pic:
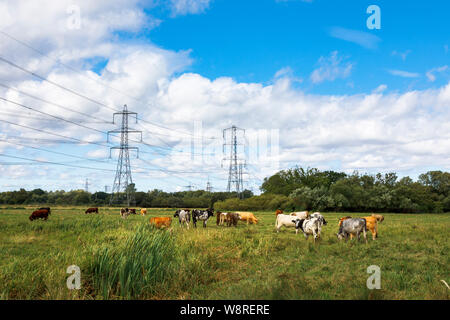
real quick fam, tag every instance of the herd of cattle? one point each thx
(309, 223)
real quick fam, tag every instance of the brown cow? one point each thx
(132, 211)
(39, 214)
(232, 219)
(160, 222)
(91, 210)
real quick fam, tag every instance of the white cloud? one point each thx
(331, 68)
(402, 55)
(183, 7)
(404, 74)
(431, 73)
(364, 39)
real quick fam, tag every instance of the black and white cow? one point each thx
(201, 215)
(184, 217)
(309, 227)
(354, 226)
(322, 221)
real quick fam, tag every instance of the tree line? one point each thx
(294, 189)
(311, 189)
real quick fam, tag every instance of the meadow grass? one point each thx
(128, 259)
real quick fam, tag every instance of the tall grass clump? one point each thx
(136, 269)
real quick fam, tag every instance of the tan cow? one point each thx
(247, 216)
(143, 211)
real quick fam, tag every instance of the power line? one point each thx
(55, 163)
(88, 98)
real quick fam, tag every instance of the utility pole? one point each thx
(122, 193)
(234, 175)
(86, 185)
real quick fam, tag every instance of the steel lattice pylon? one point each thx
(123, 188)
(235, 168)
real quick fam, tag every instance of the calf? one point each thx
(184, 217)
(309, 227)
(352, 226)
(39, 214)
(160, 222)
(202, 215)
(91, 210)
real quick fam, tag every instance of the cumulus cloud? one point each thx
(331, 68)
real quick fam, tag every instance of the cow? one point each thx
(91, 210)
(309, 227)
(160, 222)
(184, 217)
(39, 214)
(247, 216)
(322, 221)
(221, 217)
(371, 224)
(279, 211)
(351, 226)
(202, 215)
(232, 219)
(300, 214)
(124, 213)
(379, 217)
(143, 211)
(132, 211)
(284, 220)
(46, 208)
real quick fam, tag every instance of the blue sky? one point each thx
(251, 40)
(338, 95)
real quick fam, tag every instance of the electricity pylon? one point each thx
(234, 170)
(123, 188)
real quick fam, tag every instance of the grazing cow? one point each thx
(309, 227)
(91, 210)
(300, 214)
(39, 214)
(202, 215)
(132, 211)
(143, 211)
(124, 213)
(352, 226)
(47, 208)
(379, 217)
(160, 222)
(284, 220)
(184, 217)
(247, 216)
(232, 219)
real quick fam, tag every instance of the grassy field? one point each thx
(128, 259)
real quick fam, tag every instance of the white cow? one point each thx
(284, 220)
(321, 219)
